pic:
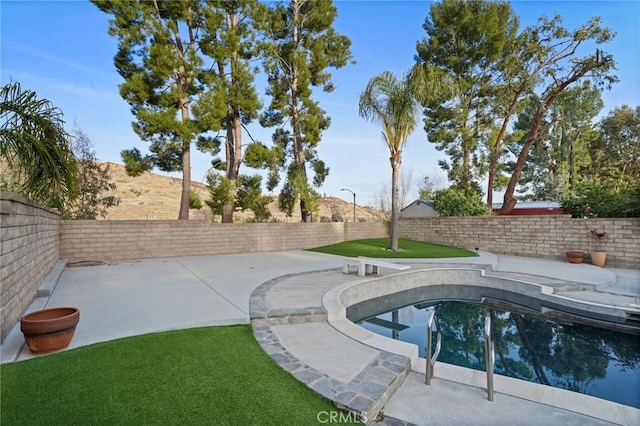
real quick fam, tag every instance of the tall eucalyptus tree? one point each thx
(494, 71)
(554, 171)
(557, 51)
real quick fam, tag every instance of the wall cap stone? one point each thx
(11, 196)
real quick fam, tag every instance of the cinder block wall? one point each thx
(99, 241)
(28, 250)
(33, 239)
(532, 236)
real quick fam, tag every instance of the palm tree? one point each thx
(35, 147)
(391, 102)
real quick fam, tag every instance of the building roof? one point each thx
(531, 205)
(429, 203)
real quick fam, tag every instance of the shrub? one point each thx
(194, 200)
(336, 217)
(451, 202)
(602, 200)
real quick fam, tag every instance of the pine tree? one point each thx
(232, 102)
(158, 57)
(465, 44)
(615, 154)
(300, 46)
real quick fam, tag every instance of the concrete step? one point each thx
(51, 280)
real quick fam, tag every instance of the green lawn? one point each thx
(213, 375)
(377, 248)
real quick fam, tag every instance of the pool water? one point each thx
(581, 358)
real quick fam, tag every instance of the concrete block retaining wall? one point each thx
(99, 241)
(29, 249)
(532, 236)
(33, 239)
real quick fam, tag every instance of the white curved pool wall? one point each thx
(455, 279)
(337, 300)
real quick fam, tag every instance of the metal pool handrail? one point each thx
(489, 355)
(431, 359)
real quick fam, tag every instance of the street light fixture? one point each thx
(354, 202)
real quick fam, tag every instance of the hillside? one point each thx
(152, 197)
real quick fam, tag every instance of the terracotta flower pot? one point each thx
(575, 256)
(50, 329)
(599, 258)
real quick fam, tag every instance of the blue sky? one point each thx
(61, 50)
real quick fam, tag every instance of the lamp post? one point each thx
(354, 202)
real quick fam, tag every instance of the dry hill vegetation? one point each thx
(153, 197)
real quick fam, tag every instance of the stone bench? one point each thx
(368, 265)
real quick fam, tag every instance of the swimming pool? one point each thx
(568, 352)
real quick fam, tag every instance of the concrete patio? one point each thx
(127, 298)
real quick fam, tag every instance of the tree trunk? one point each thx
(227, 212)
(495, 153)
(305, 214)
(233, 148)
(227, 208)
(298, 148)
(509, 202)
(491, 178)
(233, 144)
(184, 80)
(535, 132)
(395, 211)
(186, 167)
(186, 184)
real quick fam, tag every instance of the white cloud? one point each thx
(50, 86)
(47, 56)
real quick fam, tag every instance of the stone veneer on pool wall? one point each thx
(546, 237)
(29, 235)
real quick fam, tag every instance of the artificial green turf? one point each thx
(212, 376)
(377, 247)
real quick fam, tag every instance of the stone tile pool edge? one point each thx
(365, 395)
